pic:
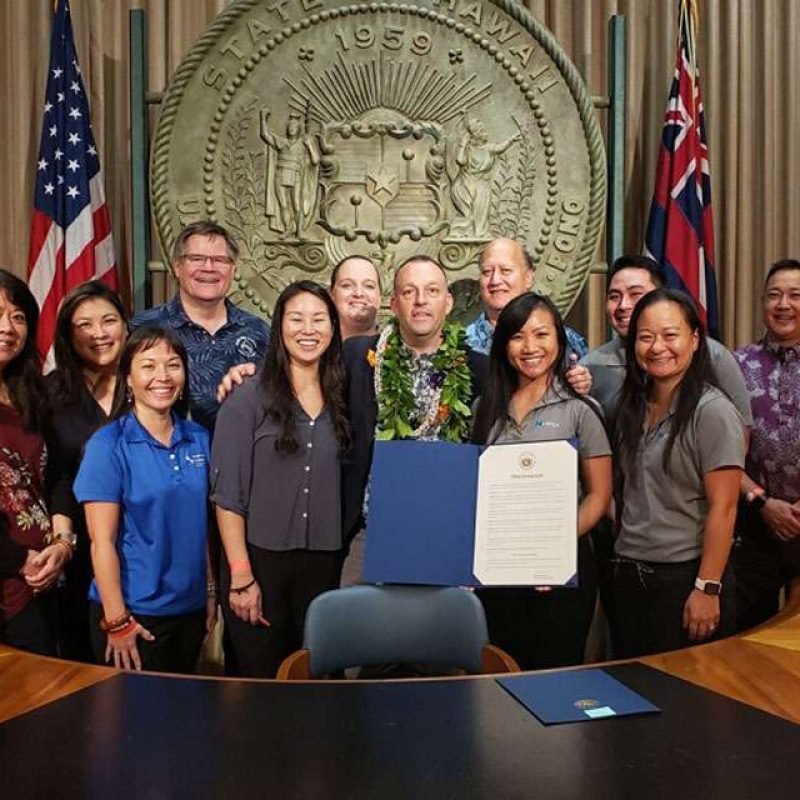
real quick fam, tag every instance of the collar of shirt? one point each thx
(480, 333)
(178, 318)
(612, 353)
(780, 352)
(554, 394)
(133, 431)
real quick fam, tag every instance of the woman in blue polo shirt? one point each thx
(144, 485)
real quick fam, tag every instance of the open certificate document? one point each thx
(527, 514)
(447, 514)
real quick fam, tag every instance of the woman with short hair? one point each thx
(143, 482)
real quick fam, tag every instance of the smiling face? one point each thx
(665, 343)
(504, 275)
(13, 330)
(306, 329)
(97, 334)
(533, 350)
(357, 296)
(205, 270)
(156, 378)
(421, 303)
(782, 307)
(626, 288)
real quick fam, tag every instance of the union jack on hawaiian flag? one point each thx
(680, 231)
(71, 230)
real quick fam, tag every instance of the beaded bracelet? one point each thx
(129, 627)
(109, 625)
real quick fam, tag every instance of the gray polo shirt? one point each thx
(663, 515)
(607, 365)
(558, 415)
(289, 501)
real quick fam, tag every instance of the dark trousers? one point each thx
(34, 628)
(176, 647)
(649, 601)
(542, 630)
(763, 565)
(289, 581)
(603, 544)
(74, 640)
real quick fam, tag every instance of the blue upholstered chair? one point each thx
(369, 626)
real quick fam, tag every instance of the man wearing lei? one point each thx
(416, 380)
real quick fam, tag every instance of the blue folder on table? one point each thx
(575, 696)
(421, 514)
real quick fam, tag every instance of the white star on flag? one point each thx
(73, 166)
(72, 191)
(74, 113)
(42, 164)
(49, 188)
(73, 138)
(57, 72)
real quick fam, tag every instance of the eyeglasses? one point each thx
(198, 260)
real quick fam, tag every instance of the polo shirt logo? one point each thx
(198, 460)
(247, 347)
(546, 423)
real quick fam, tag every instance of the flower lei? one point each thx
(451, 382)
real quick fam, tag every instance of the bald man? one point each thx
(506, 272)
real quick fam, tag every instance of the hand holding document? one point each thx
(462, 515)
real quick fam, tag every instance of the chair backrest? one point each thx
(373, 625)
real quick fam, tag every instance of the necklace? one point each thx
(449, 380)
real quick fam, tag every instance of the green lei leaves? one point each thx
(395, 391)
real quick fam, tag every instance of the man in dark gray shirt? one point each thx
(629, 280)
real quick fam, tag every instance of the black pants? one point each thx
(763, 565)
(34, 628)
(649, 601)
(603, 544)
(289, 581)
(74, 641)
(542, 630)
(176, 647)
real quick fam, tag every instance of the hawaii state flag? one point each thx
(71, 230)
(680, 231)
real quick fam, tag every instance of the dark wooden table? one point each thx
(79, 731)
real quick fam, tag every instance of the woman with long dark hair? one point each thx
(275, 481)
(90, 333)
(27, 614)
(144, 484)
(679, 444)
(527, 399)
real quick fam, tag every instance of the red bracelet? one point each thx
(240, 566)
(120, 632)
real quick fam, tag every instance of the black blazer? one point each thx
(363, 410)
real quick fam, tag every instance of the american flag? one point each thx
(680, 231)
(71, 230)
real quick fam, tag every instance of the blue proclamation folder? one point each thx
(421, 514)
(575, 696)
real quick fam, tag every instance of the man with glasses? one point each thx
(767, 552)
(217, 334)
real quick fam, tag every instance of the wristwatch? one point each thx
(708, 587)
(68, 537)
(756, 499)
